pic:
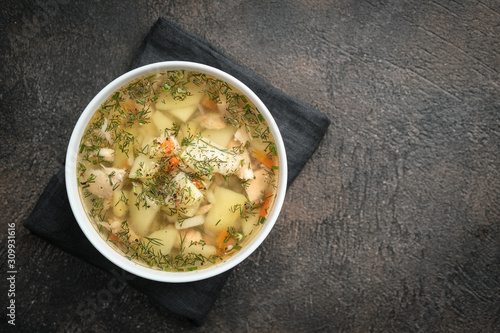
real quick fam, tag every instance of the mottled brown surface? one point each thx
(393, 226)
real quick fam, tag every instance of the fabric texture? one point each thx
(302, 128)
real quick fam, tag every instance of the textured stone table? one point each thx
(393, 226)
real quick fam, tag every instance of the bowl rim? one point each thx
(86, 225)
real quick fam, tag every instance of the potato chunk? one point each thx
(183, 113)
(225, 211)
(142, 213)
(144, 167)
(162, 121)
(120, 207)
(220, 136)
(184, 109)
(163, 240)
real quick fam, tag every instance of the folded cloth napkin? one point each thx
(301, 126)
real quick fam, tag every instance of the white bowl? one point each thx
(86, 225)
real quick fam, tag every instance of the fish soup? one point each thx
(177, 170)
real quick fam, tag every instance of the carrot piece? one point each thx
(265, 205)
(167, 146)
(114, 238)
(172, 163)
(209, 104)
(261, 156)
(223, 241)
(130, 106)
(221, 237)
(198, 184)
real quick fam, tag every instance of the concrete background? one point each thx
(393, 226)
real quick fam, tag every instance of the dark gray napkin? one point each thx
(301, 126)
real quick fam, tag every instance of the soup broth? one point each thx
(177, 170)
